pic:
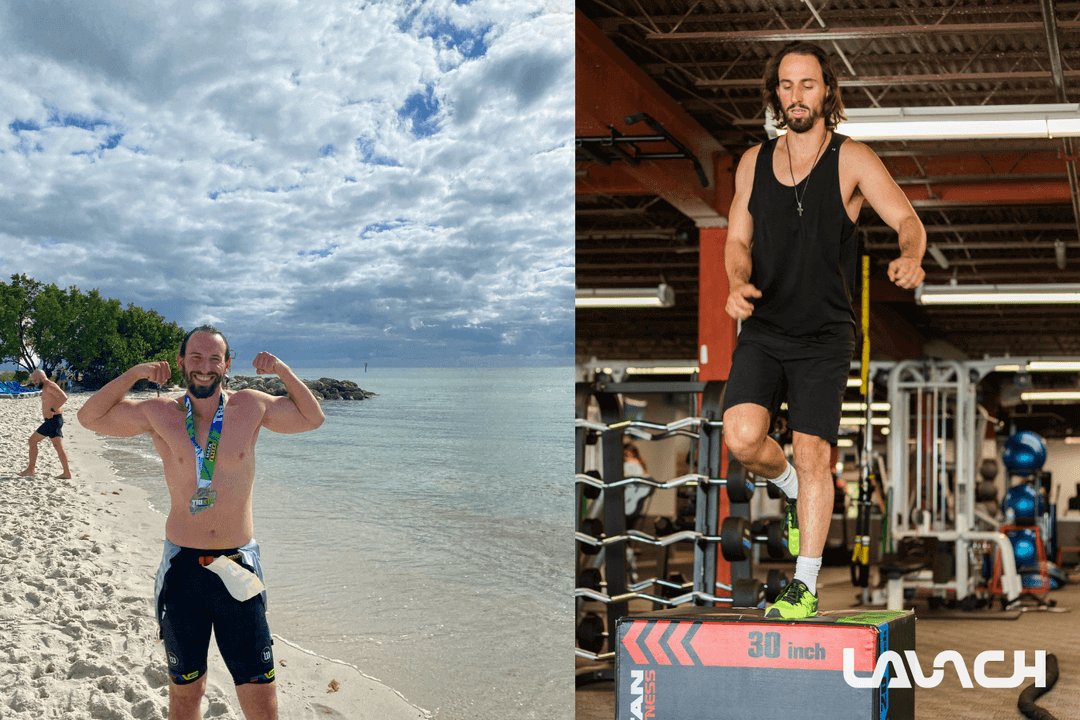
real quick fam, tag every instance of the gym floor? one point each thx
(967, 632)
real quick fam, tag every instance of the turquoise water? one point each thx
(424, 535)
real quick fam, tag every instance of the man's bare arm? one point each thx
(56, 396)
(108, 413)
(890, 203)
(740, 235)
(299, 411)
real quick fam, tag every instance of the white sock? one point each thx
(788, 482)
(806, 570)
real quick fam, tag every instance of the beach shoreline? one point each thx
(78, 636)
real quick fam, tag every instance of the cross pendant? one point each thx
(800, 209)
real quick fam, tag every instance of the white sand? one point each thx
(78, 637)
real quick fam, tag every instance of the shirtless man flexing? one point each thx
(52, 399)
(210, 573)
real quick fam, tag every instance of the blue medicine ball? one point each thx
(1025, 452)
(1023, 542)
(1024, 501)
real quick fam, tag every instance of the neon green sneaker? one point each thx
(795, 603)
(791, 515)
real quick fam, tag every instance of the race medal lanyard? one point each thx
(204, 497)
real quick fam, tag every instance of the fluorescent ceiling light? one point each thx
(854, 382)
(955, 123)
(861, 407)
(997, 294)
(862, 421)
(660, 296)
(663, 370)
(1043, 366)
(1036, 395)
(845, 442)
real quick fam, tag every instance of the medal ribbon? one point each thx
(204, 461)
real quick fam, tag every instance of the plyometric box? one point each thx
(700, 663)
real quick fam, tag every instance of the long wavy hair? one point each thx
(832, 108)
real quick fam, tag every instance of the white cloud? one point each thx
(384, 179)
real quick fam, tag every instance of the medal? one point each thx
(204, 497)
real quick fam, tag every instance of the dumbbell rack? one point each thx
(708, 486)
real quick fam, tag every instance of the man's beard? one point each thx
(201, 392)
(803, 124)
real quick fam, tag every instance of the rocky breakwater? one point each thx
(323, 388)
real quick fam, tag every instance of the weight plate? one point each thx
(735, 540)
(747, 593)
(590, 633)
(778, 540)
(775, 584)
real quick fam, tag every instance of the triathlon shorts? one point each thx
(192, 600)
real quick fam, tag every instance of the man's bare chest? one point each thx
(235, 443)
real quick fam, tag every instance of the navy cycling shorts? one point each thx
(192, 602)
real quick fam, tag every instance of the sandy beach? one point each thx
(78, 637)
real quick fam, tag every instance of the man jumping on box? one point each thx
(791, 259)
(210, 573)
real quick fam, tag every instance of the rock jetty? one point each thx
(322, 389)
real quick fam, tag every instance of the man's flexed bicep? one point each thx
(297, 412)
(108, 413)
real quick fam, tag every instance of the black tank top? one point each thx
(805, 267)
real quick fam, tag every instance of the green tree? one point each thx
(94, 338)
(53, 315)
(16, 310)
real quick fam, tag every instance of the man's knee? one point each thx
(812, 456)
(188, 692)
(745, 431)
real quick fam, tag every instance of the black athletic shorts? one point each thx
(768, 368)
(52, 428)
(192, 601)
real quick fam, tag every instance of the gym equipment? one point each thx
(1024, 548)
(698, 662)
(746, 592)
(1028, 696)
(1023, 504)
(935, 432)
(597, 533)
(737, 536)
(590, 632)
(1025, 453)
(590, 578)
(594, 528)
(860, 554)
(589, 490)
(775, 585)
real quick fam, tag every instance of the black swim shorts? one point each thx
(809, 374)
(192, 601)
(52, 428)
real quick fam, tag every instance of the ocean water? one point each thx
(423, 535)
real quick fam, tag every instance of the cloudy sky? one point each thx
(335, 182)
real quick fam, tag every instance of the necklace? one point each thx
(787, 146)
